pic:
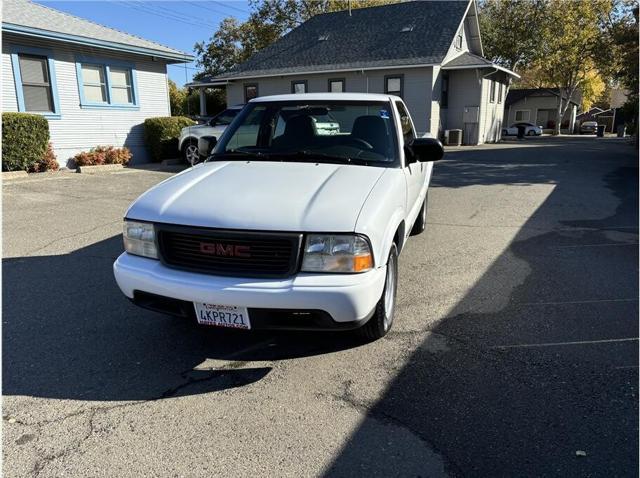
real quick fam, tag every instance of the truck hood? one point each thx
(261, 195)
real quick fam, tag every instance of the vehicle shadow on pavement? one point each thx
(539, 360)
(541, 162)
(69, 333)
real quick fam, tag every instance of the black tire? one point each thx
(531, 133)
(421, 222)
(382, 320)
(190, 153)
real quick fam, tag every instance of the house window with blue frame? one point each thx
(35, 80)
(121, 88)
(106, 84)
(94, 83)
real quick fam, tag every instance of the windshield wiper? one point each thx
(239, 154)
(305, 153)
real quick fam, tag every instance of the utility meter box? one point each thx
(471, 114)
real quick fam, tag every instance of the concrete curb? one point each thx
(102, 168)
(9, 175)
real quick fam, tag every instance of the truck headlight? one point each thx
(140, 239)
(337, 253)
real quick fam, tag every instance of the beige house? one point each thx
(429, 53)
(538, 106)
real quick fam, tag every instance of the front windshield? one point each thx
(336, 131)
(224, 118)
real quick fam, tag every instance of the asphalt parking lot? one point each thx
(514, 351)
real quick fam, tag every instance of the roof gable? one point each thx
(25, 17)
(516, 95)
(470, 29)
(407, 33)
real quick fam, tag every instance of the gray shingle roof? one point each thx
(370, 37)
(467, 59)
(518, 94)
(23, 13)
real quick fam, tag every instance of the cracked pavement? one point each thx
(514, 347)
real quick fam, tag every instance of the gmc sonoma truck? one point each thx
(289, 223)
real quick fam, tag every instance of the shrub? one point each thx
(161, 135)
(103, 155)
(24, 140)
(48, 161)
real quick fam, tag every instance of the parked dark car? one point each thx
(589, 127)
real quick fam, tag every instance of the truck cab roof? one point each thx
(327, 97)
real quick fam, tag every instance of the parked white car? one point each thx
(529, 129)
(285, 226)
(188, 140)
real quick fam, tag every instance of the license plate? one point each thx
(222, 315)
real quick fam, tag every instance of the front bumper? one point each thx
(348, 299)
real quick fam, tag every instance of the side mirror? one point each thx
(425, 149)
(206, 145)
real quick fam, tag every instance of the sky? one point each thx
(176, 24)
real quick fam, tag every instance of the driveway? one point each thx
(514, 352)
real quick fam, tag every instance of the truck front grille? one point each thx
(229, 253)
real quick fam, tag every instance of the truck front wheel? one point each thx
(382, 320)
(421, 222)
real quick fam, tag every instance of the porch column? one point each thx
(203, 101)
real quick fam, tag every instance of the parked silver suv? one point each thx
(188, 141)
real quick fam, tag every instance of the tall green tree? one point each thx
(624, 40)
(177, 99)
(566, 45)
(573, 47)
(511, 31)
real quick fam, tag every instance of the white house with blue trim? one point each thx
(94, 84)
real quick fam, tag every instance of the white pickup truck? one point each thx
(285, 226)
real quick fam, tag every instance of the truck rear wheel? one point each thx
(382, 320)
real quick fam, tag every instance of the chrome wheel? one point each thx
(191, 154)
(390, 292)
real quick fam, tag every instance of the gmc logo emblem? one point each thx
(224, 250)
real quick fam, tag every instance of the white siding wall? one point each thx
(417, 89)
(9, 101)
(464, 90)
(491, 114)
(437, 125)
(80, 129)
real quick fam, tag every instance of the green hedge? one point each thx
(161, 135)
(24, 140)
